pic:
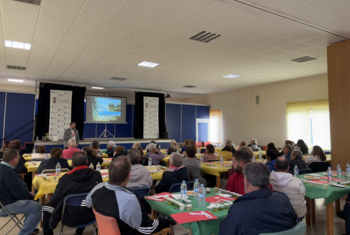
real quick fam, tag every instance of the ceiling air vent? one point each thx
(205, 36)
(304, 59)
(34, 2)
(16, 67)
(189, 86)
(117, 79)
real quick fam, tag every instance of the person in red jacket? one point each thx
(235, 182)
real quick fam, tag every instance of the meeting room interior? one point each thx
(179, 117)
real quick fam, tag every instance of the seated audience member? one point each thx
(209, 154)
(139, 175)
(95, 145)
(193, 165)
(297, 160)
(235, 183)
(68, 153)
(284, 182)
(191, 142)
(186, 142)
(173, 147)
(5, 146)
(229, 147)
(40, 152)
(287, 150)
(153, 142)
(20, 167)
(303, 147)
(154, 153)
(81, 179)
(242, 144)
(175, 174)
(119, 151)
(273, 147)
(131, 216)
(14, 193)
(51, 163)
(259, 210)
(254, 144)
(92, 156)
(110, 148)
(271, 156)
(138, 146)
(291, 143)
(245, 149)
(317, 155)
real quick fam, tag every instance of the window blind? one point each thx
(320, 123)
(215, 126)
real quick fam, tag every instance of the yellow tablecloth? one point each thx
(216, 169)
(257, 153)
(28, 157)
(155, 175)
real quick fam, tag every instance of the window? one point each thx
(309, 120)
(215, 126)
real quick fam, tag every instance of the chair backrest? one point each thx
(141, 191)
(175, 188)
(73, 200)
(206, 143)
(49, 171)
(226, 155)
(106, 225)
(319, 166)
(199, 144)
(298, 229)
(264, 148)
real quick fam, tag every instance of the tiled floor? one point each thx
(316, 229)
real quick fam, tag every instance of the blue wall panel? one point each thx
(19, 111)
(173, 121)
(188, 122)
(203, 132)
(89, 130)
(2, 111)
(36, 106)
(203, 112)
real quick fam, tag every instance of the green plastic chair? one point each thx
(298, 229)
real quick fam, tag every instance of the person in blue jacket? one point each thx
(271, 156)
(259, 210)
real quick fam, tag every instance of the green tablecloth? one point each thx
(331, 193)
(201, 227)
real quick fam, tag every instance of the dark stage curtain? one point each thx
(43, 117)
(139, 113)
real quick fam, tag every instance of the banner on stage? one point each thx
(60, 112)
(150, 117)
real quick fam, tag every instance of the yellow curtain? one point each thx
(215, 126)
(320, 123)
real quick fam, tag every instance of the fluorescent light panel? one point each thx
(18, 45)
(14, 80)
(97, 87)
(232, 76)
(148, 64)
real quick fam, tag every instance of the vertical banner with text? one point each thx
(60, 112)
(150, 117)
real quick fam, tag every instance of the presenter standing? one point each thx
(71, 133)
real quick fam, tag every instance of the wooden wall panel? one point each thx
(338, 56)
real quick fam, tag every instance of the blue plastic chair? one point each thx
(175, 188)
(18, 222)
(141, 191)
(298, 229)
(75, 200)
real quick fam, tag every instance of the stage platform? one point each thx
(125, 142)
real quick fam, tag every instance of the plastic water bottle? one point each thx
(34, 151)
(253, 159)
(91, 166)
(201, 196)
(338, 171)
(201, 159)
(184, 190)
(296, 171)
(221, 160)
(47, 156)
(260, 155)
(347, 170)
(58, 169)
(160, 147)
(166, 153)
(196, 189)
(203, 190)
(98, 167)
(37, 138)
(150, 162)
(329, 174)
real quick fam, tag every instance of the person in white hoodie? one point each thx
(286, 183)
(139, 175)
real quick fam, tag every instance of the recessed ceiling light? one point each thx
(97, 87)
(14, 80)
(18, 45)
(148, 64)
(232, 76)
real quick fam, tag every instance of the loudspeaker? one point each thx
(165, 135)
(257, 99)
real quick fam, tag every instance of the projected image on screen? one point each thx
(105, 109)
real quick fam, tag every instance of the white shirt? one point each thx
(73, 133)
(310, 159)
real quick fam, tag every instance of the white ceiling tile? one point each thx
(83, 33)
(183, 31)
(39, 59)
(108, 37)
(98, 12)
(18, 8)
(130, 19)
(58, 16)
(191, 44)
(159, 26)
(78, 41)
(264, 38)
(178, 51)
(110, 3)
(49, 25)
(48, 38)
(193, 5)
(145, 7)
(298, 46)
(220, 10)
(122, 47)
(275, 5)
(119, 29)
(346, 20)
(135, 42)
(200, 22)
(143, 51)
(246, 17)
(73, 6)
(101, 43)
(174, 15)
(16, 56)
(339, 11)
(282, 43)
(338, 27)
(146, 35)
(90, 23)
(169, 39)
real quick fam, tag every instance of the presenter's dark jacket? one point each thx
(51, 164)
(68, 135)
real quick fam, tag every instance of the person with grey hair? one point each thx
(139, 175)
(81, 179)
(287, 150)
(254, 144)
(68, 153)
(113, 199)
(297, 160)
(110, 148)
(154, 153)
(268, 211)
(175, 174)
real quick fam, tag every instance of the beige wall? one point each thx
(243, 119)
